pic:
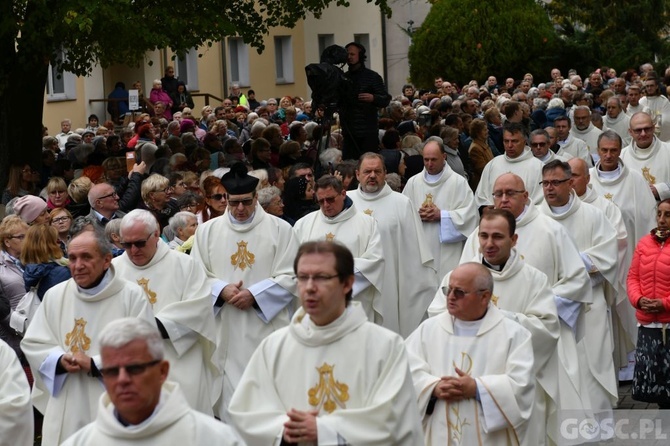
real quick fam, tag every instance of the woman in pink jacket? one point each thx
(159, 95)
(649, 292)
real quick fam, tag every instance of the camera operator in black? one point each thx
(358, 118)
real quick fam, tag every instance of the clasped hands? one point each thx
(456, 388)
(301, 426)
(76, 362)
(430, 212)
(651, 305)
(233, 295)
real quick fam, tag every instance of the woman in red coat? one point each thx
(649, 292)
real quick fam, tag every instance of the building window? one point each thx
(325, 40)
(239, 61)
(186, 69)
(61, 85)
(284, 59)
(364, 39)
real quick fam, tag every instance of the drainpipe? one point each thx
(224, 70)
(386, 80)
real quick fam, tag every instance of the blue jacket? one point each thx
(44, 274)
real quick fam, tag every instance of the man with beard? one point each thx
(409, 270)
(585, 130)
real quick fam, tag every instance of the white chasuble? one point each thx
(524, 293)
(178, 291)
(499, 357)
(358, 232)
(596, 240)
(352, 372)
(16, 409)
(525, 165)
(577, 148)
(172, 423)
(619, 125)
(659, 109)
(409, 272)
(450, 193)
(653, 163)
(629, 191)
(69, 321)
(260, 254)
(590, 137)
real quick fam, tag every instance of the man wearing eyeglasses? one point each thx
(62, 343)
(247, 255)
(596, 240)
(648, 155)
(176, 287)
(584, 129)
(104, 203)
(568, 142)
(332, 378)
(339, 220)
(523, 294)
(140, 404)
(539, 145)
(472, 367)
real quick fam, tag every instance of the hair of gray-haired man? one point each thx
(122, 332)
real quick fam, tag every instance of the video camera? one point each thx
(331, 88)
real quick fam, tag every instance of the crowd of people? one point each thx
(478, 262)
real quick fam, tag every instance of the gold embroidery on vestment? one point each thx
(242, 258)
(328, 393)
(330, 237)
(368, 211)
(648, 176)
(428, 200)
(494, 299)
(151, 295)
(609, 197)
(76, 340)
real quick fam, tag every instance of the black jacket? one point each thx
(360, 118)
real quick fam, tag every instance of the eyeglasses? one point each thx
(508, 193)
(646, 130)
(538, 144)
(113, 194)
(131, 369)
(245, 202)
(166, 190)
(189, 206)
(20, 236)
(329, 200)
(317, 278)
(60, 219)
(458, 293)
(139, 244)
(554, 183)
(218, 197)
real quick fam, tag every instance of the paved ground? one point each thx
(626, 400)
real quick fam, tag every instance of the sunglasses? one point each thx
(236, 203)
(138, 244)
(131, 369)
(329, 200)
(216, 197)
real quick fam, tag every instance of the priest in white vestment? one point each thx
(523, 294)
(178, 291)
(596, 240)
(248, 255)
(16, 409)
(518, 159)
(339, 220)
(568, 142)
(658, 107)
(409, 271)
(540, 143)
(330, 377)
(546, 245)
(140, 407)
(616, 120)
(61, 343)
(648, 155)
(584, 129)
(445, 205)
(627, 189)
(633, 95)
(472, 367)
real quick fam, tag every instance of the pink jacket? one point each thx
(649, 276)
